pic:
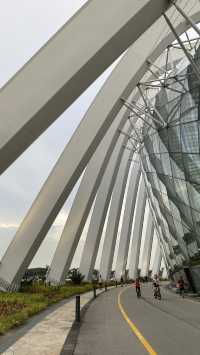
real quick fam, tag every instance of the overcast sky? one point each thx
(24, 27)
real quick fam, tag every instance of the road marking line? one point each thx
(133, 327)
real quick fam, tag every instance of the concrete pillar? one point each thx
(61, 70)
(146, 255)
(114, 217)
(99, 213)
(61, 181)
(165, 273)
(157, 261)
(127, 221)
(137, 230)
(157, 216)
(39, 112)
(80, 209)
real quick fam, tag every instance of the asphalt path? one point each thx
(117, 323)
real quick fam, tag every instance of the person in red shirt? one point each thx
(181, 286)
(137, 287)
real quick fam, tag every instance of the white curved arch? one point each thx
(98, 118)
(114, 215)
(65, 66)
(146, 255)
(137, 230)
(84, 198)
(127, 222)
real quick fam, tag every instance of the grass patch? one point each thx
(16, 308)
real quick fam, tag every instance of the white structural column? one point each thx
(114, 216)
(165, 273)
(157, 261)
(61, 180)
(99, 213)
(155, 212)
(146, 255)
(127, 221)
(83, 201)
(62, 70)
(18, 116)
(137, 230)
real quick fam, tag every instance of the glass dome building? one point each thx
(170, 158)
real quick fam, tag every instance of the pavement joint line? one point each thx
(185, 298)
(170, 314)
(133, 327)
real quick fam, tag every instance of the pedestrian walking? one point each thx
(122, 281)
(181, 286)
(100, 281)
(138, 287)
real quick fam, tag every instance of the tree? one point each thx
(76, 276)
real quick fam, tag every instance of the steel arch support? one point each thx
(157, 260)
(99, 213)
(114, 216)
(62, 70)
(146, 255)
(127, 221)
(83, 201)
(137, 230)
(61, 181)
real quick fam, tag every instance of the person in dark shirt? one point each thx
(137, 287)
(181, 286)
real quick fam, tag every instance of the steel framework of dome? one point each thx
(144, 123)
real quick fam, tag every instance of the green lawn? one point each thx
(16, 308)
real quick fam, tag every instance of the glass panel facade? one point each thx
(171, 163)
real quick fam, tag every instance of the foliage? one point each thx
(16, 308)
(76, 277)
(96, 274)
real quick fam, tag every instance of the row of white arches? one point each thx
(56, 76)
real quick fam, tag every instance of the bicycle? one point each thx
(181, 292)
(157, 293)
(138, 292)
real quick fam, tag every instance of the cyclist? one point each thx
(122, 281)
(181, 286)
(156, 287)
(137, 287)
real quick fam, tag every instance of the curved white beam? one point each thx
(114, 216)
(157, 260)
(127, 221)
(155, 209)
(61, 181)
(66, 65)
(137, 230)
(99, 213)
(146, 255)
(165, 273)
(83, 201)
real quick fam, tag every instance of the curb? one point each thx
(71, 339)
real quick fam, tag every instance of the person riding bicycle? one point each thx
(137, 287)
(181, 286)
(122, 281)
(155, 281)
(156, 286)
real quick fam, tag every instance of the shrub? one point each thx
(76, 277)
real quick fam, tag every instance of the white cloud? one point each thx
(9, 226)
(24, 28)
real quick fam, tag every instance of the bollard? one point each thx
(105, 286)
(78, 309)
(94, 291)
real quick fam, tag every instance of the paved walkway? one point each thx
(147, 326)
(116, 323)
(48, 336)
